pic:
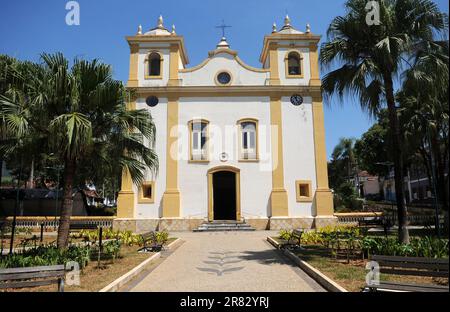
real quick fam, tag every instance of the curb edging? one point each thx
(315, 274)
(122, 280)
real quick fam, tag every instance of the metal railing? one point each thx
(36, 222)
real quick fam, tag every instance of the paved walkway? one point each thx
(225, 261)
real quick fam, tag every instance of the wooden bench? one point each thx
(33, 277)
(409, 266)
(149, 242)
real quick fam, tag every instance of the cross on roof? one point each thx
(223, 26)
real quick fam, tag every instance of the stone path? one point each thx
(224, 261)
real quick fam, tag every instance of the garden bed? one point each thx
(352, 275)
(120, 254)
(325, 250)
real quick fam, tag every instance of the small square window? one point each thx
(147, 192)
(303, 191)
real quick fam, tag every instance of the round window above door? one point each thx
(223, 78)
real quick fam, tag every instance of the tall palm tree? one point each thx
(424, 102)
(371, 57)
(81, 112)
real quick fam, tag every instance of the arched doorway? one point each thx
(224, 201)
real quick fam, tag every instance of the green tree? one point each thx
(81, 113)
(372, 149)
(371, 57)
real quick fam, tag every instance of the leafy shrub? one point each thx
(429, 247)
(46, 255)
(126, 237)
(161, 237)
(285, 234)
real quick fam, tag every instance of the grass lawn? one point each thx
(351, 275)
(94, 278)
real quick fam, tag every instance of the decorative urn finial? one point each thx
(173, 30)
(287, 21)
(274, 28)
(160, 22)
(139, 32)
(308, 28)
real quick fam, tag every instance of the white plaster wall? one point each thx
(144, 50)
(305, 66)
(256, 178)
(159, 115)
(205, 76)
(298, 151)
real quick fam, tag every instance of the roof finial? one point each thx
(173, 29)
(308, 28)
(274, 27)
(160, 22)
(287, 21)
(139, 32)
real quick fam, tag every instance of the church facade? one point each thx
(234, 142)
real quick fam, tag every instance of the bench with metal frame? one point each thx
(33, 277)
(295, 239)
(150, 243)
(408, 266)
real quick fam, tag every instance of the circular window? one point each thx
(152, 101)
(224, 78)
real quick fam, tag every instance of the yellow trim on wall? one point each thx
(273, 64)
(301, 198)
(145, 200)
(239, 123)
(237, 173)
(174, 66)
(231, 91)
(314, 64)
(171, 197)
(133, 80)
(191, 158)
(323, 200)
(147, 75)
(286, 65)
(279, 196)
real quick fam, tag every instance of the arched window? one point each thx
(248, 139)
(154, 64)
(294, 64)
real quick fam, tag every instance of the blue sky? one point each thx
(30, 27)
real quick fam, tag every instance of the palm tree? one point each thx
(424, 102)
(371, 57)
(81, 112)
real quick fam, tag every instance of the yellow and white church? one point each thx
(235, 143)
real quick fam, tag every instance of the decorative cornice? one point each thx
(212, 54)
(273, 91)
(275, 37)
(172, 39)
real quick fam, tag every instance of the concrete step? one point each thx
(224, 227)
